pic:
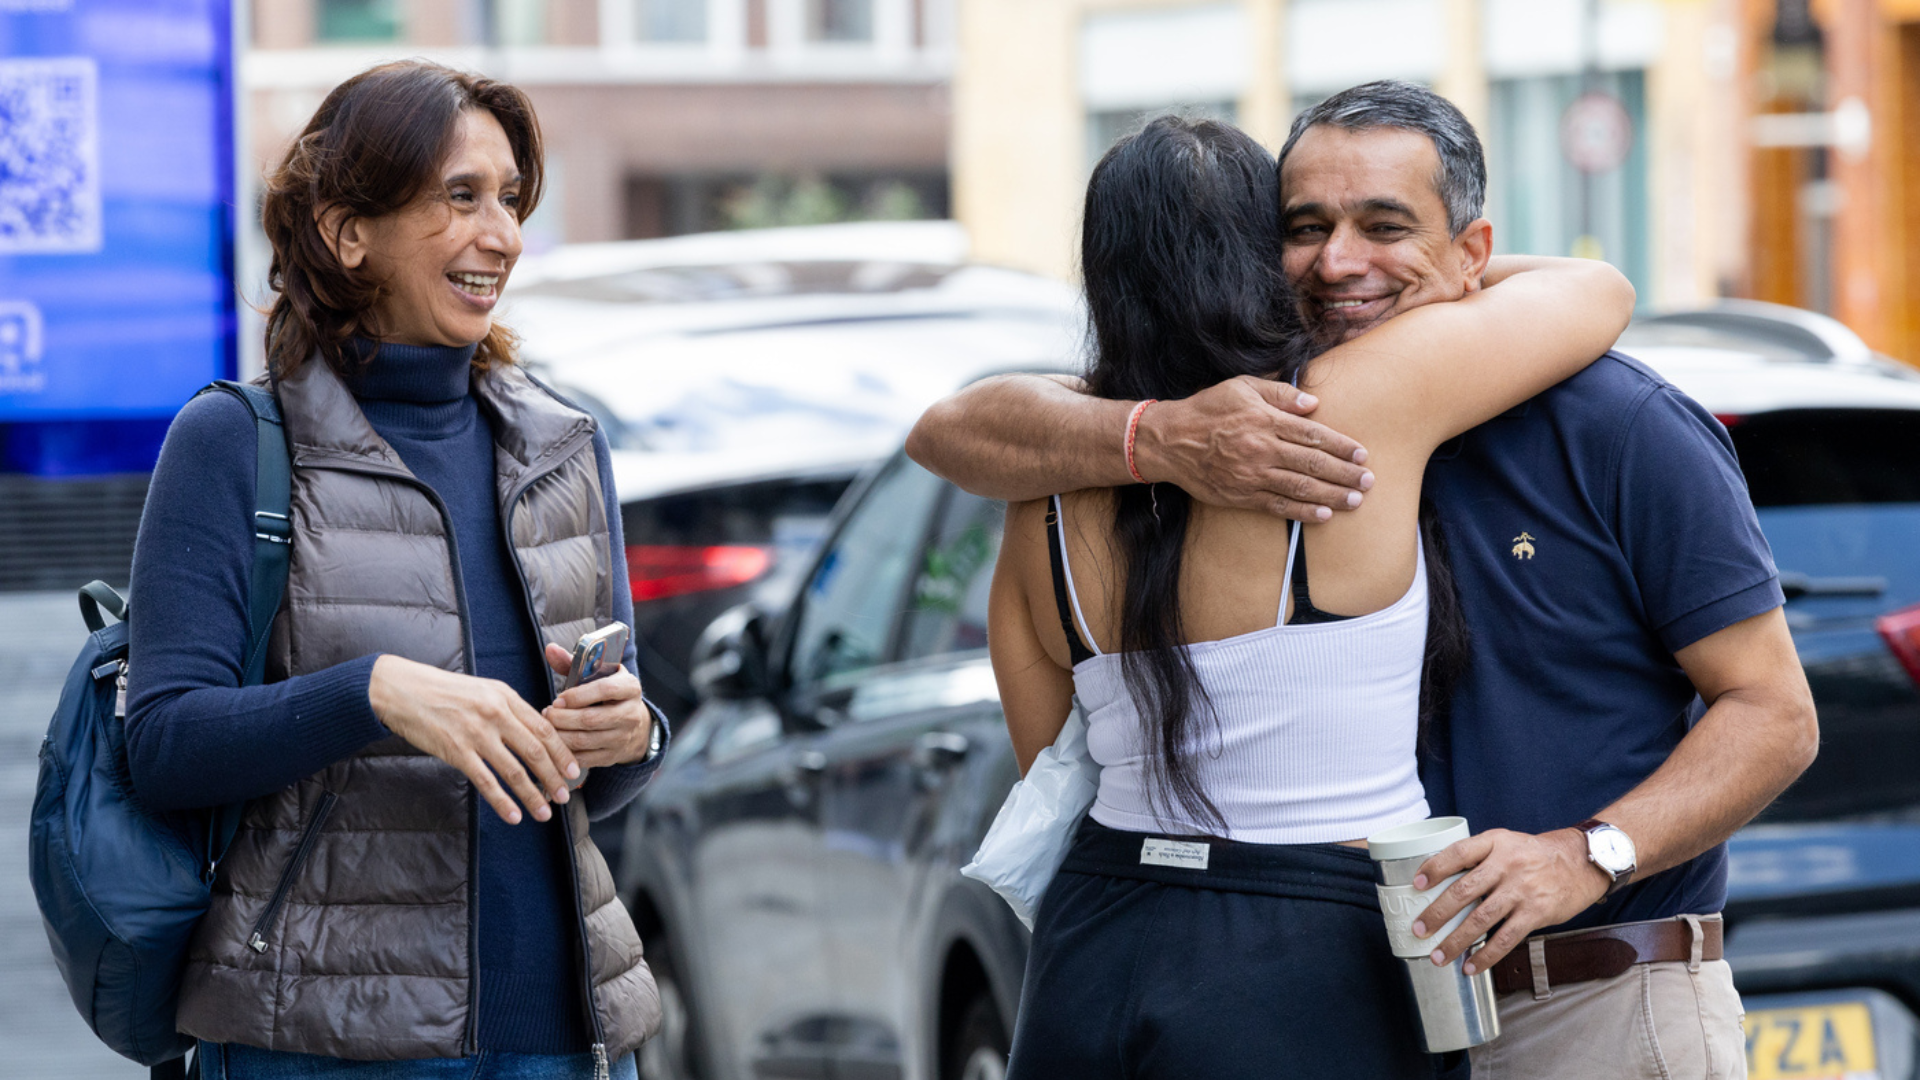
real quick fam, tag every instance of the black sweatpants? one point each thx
(1270, 963)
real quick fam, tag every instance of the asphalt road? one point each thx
(41, 1034)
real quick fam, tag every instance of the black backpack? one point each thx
(120, 886)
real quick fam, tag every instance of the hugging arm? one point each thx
(1242, 443)
(1036, 687)
(1430, 374)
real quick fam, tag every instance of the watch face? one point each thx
(1611, 849)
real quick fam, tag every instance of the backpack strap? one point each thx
(272, 544)
(97, 596)
(272, 530)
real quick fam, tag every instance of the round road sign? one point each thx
(1596, 134)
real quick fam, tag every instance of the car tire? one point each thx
(980, 1044)
(670, 1054)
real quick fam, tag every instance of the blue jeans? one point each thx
(232, 1061)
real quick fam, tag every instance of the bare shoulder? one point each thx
(1086, 516)
(1024, 518)
(1023, 546)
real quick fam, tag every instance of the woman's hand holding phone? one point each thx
(479, 726)
(603, 722)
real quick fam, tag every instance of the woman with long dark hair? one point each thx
(412, 891)
(1216, 916)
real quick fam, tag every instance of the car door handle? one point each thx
(1796, 585)
(937, 750)
(800, 774)
(802, 765)
(802, 768)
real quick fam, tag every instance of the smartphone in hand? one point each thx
(596, 654)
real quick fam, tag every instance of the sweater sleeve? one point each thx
(607, 790)
(195, 736)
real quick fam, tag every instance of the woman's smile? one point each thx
(481, 291)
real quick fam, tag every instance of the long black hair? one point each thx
(1181, 257)
(1180, 252)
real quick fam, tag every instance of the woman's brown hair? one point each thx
(375, 145)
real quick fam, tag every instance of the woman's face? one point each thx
(445, 257)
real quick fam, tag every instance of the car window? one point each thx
(1826, 457)
(947, 609)
(847, 612)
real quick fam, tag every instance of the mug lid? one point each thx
(1416, 838)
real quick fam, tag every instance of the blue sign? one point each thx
(116, 215)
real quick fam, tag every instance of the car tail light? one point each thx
(1728, 419)
(1902, 631)
(662, 570)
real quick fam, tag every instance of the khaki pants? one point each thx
(1663, 1021)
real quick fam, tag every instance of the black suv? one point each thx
(794, 866)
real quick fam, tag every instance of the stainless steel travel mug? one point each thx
(1456, 1010)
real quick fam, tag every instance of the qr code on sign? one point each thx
(49, 155)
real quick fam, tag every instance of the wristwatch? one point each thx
(1610, 849)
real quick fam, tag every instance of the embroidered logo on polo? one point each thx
(1178, 853)
(1523, 546)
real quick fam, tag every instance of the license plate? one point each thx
(1811, 1042)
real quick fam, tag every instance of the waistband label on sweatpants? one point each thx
(1181, 853)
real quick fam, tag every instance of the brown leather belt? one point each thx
(1602, 953)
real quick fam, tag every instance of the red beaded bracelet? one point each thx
(1133, 428)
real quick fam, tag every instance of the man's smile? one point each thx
(1351, 307)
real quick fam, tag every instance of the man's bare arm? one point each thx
(1242, 443)
(1758, 735)
(1021, 437)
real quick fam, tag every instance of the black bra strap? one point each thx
(1077, 650)
(1301, 604)
(1303, 609)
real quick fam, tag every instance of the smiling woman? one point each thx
(418, 779)
(418, 178)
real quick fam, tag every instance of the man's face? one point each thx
(1365, 230)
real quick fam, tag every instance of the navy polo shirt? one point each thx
(1593, 532)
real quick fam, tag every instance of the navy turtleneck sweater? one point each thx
(197, 738)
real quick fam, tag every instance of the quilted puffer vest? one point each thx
(341, 922)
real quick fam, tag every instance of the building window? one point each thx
(675, 205)
(839, 20)
(1540, 204)
(519, 22)
(673, 20)
(358, 20)
(1104, 128)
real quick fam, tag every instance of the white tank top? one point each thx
(1312, 735)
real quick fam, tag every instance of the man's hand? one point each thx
(1244, 443)
(1523, 882)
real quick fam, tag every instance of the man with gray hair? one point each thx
(1632, 695)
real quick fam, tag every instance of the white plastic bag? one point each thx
(1035, 826)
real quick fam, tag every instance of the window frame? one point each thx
(795, 697)
(935, 523)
